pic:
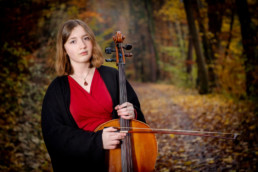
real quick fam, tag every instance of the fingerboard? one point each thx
(126, 149)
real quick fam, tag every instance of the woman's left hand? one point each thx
(125, 110)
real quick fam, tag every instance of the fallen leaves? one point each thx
(166, 106)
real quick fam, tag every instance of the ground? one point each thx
(166, 106)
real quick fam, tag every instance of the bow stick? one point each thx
(179, 132)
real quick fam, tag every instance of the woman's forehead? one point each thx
(78, 31)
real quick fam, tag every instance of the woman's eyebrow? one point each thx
(81, 36)
(72, 38)
(85, 35)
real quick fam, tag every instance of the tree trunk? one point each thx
(202, 71)
(207, 48)
(189, 61)
(136, 60)
(249, 41)
(138, 40)
(230, 32)
(151, 44)
(216, 10)
(180, 39)
(143, 41)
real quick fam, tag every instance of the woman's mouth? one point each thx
(84, 53)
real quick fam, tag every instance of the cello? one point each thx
(138, 151)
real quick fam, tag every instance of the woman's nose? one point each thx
(83, 44)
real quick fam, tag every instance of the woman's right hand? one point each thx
(111, 138)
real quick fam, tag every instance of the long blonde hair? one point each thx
(63, 64)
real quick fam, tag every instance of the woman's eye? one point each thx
(72, 42)
(87, 38)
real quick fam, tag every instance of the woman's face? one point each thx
(78, 46)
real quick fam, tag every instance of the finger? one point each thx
(126, 109)
(126, 104)
(115, 142)
(127, 117)
(117, 107)
(110, 129)
(122, 135)
(112, 147)
(126, 113)
(118, 136)
(122, 112)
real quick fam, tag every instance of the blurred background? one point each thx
(203, 45)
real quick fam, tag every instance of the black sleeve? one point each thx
(66, 143)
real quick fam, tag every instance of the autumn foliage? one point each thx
(165, 65)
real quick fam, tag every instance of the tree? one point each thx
(202, 71)
(249, 41)
(216, 10)
(207, 47)
(189, 59)
(142, 33)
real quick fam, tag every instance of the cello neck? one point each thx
(126, 146)
(122, 92)
(126, 151)
(122, 84)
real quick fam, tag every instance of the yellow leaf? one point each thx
(226, 122)
(172, 136)
(210, 160)
(181, 150)
(252, 127)
(228, 159)
(188, 163)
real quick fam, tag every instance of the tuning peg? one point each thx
(110, 60)
(128, 54)
(128, 47)
(109, 50)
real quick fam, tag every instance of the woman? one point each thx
(83, 96)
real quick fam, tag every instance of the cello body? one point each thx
(144, 149)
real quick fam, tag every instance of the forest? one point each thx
(194, 66)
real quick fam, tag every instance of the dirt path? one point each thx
(176, 153)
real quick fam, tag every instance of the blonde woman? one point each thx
(83, 96)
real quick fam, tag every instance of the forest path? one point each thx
(175, 152)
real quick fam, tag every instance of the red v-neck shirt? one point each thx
(90, 109)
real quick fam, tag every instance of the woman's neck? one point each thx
(81, 69)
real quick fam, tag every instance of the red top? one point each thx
(90, 109)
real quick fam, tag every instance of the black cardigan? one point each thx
(71, 148)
